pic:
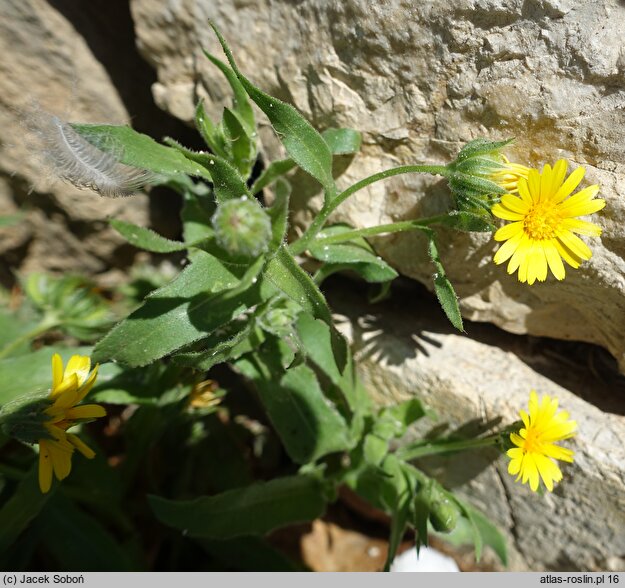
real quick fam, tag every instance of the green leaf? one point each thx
(139, 150)
(203, 298)
(342, 141)
(228, 183)
(301, 141)
(284, 272)
(307, 423)
(240, 144)
(279, 215)
(357, 255)
(212, 135)
(394, 421)
(286, 275)
(374, 449)
(79, 542)
(146, 238)
(422, 501)
(25, 504)
(271, 173)
(220, 347)
(442, 286)
(399, 522)
(251, 510)
(242, 106)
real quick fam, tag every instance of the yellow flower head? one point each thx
(535, 451)
(543, 227)
(69, 387)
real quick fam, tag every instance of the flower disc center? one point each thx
(541, 221)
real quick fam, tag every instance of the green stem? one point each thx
(328, 208)
(381, 229)
(424, 449)
(45, 325)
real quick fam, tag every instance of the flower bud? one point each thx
(242, 227)
(23, 418)
(443, 515)
(473, 179)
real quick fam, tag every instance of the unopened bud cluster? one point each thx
(242, 227)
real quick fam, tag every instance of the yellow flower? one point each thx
(203, 395)
(535, 443)
(543, 227)
(69, 387)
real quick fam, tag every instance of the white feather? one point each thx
(76, 160)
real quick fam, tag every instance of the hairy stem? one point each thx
(328, 208)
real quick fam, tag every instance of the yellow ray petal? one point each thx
(502, 212)
(567, 255)
(507, 248)
(86, 411)
(554, 260)
(533, 184)
(515, 204)
(79, 365)
(571, 183)
(508, 231)
(82, 447)
(584, 208)
(545, 182)
(86, 387)
(574, 243)
(57, 371)
(581, 227)
(559, 171)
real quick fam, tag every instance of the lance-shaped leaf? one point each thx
(287, 276)
(442, 286)
(146, 238)
(242, 107)
(227, 181)
(301, 141)
(251, 510)
(306, 422)
(342, 141)
(139, 150)
(357, 255)
(212, 134)
(240, 144)
(203, 298)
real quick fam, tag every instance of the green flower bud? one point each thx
(443, 515)
(242, 227)
(473, 174)
(23, 418)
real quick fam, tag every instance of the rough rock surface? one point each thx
(47, 64)
(420, 79)
(486, 374)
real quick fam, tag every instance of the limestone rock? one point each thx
(487, 375)
(47, 64)
(421, 79)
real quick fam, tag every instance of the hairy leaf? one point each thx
(251, 510)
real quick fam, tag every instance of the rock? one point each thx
(420, 80)
(486, 375)
(47, 64)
